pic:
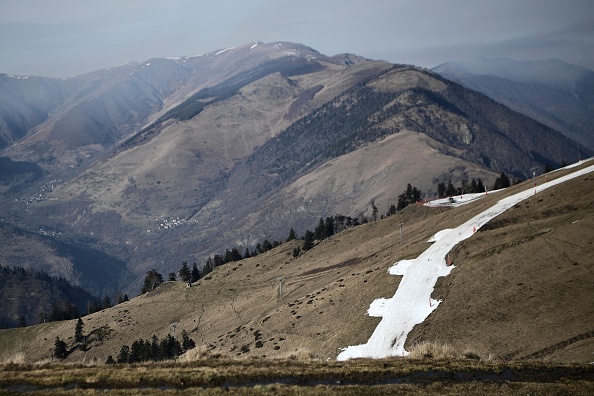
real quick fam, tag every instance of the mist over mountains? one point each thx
(552, 92)
(149, 164)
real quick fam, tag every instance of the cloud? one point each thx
(64, 37)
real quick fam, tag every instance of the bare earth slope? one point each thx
(521, 289)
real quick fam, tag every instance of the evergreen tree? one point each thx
(501, 182)
(308, 240)
(151, 281)
(135, 352)
(184, 272)
(391, 210)
(266, 245)
(320, 230)
(402, 202)
(329, 227)
(473, 186)
(170, 347)
(373, 211)
(78, 331)
(450, 189)
(441, 190)
(124, 355)
(480, 187)
(110, 360)
(292, 235)
(187, 342)
(296, 251)
(60, 350)
(195, 273)
(154, 349)
(172, 277)
(465, 187)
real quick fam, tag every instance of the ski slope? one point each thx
(412, 301)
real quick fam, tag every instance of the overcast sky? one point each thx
(60, 38)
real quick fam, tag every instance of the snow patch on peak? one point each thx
(225, 50)
(254, 46)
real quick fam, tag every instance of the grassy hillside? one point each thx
(521, 289)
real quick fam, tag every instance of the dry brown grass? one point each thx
(198, 353)
(433, 350)
(443, 351)
(234, 312)
(17, 358)
(301, 354)
(265, 376)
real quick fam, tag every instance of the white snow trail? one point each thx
(412, 301)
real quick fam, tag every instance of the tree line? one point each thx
(154, 350)
(325, 228)
(474, 186)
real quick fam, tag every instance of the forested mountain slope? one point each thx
(552, 92)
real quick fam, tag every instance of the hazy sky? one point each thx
(59, 38)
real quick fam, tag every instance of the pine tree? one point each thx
(78, 331)
(320, 230)
(266, 245)
(60, 350)
(308, 240)
(465, 186)
(110, 360)
(184, 272)
(480, 187)
(391, 210)
(172, 277)
(329, 226)
(450, 189)
(373, 211)
(124, 355)
(195, 273)
(151, 280)
(187, 342)
(501, 182)
(292, 235)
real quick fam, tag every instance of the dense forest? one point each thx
(30, 297)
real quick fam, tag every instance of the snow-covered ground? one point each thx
(459, 200)
(412, 302)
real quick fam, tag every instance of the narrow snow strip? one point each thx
(225, 50)
(412, 301)
(254, 46)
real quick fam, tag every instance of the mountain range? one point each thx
(145, 165)
(552, 92)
